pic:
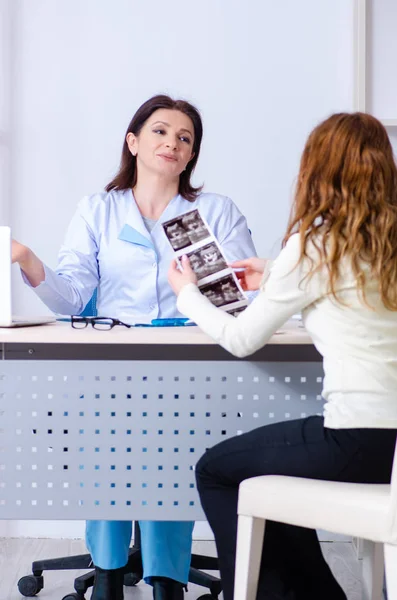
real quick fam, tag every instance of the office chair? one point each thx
(30, 585)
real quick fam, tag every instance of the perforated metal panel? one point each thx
(119, 440)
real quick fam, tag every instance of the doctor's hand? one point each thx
(178, 279)
(30, 264)
(19, 253)
(250, 278)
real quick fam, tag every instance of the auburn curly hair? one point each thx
(346, 202)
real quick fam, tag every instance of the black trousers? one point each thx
(292, 566)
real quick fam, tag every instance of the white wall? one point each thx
(262, 72)
(5, 112)
(382, 62)
(382, 58)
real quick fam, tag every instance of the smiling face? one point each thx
(164, 145)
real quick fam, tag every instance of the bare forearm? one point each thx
(32, 267)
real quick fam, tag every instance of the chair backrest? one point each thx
(90, 309)
(393, 497)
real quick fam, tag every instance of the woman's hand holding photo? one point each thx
(250, 278)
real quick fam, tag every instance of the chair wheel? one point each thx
(131, 579)
(30, 585)
(73, 596)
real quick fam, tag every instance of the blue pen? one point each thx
(177, 322)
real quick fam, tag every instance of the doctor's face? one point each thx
(165, 143)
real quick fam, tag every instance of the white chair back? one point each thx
(393, 499)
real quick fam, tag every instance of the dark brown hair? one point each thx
(346, 201)
(127, 175)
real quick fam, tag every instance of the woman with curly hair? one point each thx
(338, 267)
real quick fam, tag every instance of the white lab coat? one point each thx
(108, 247)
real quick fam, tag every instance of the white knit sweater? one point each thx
(358, 343)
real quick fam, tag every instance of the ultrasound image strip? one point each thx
(222, 291)
(186, 230)
(190, 234)
(207, 260)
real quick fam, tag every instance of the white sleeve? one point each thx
(285, 293)
(68, 289)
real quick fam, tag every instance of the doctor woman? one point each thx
(115, 243)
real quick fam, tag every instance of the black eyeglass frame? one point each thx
(96, 320)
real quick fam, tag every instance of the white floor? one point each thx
(16, 556)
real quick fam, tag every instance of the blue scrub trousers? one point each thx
(166, 546)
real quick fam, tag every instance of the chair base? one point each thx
(133, 571)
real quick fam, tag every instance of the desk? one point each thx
(109, 424)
